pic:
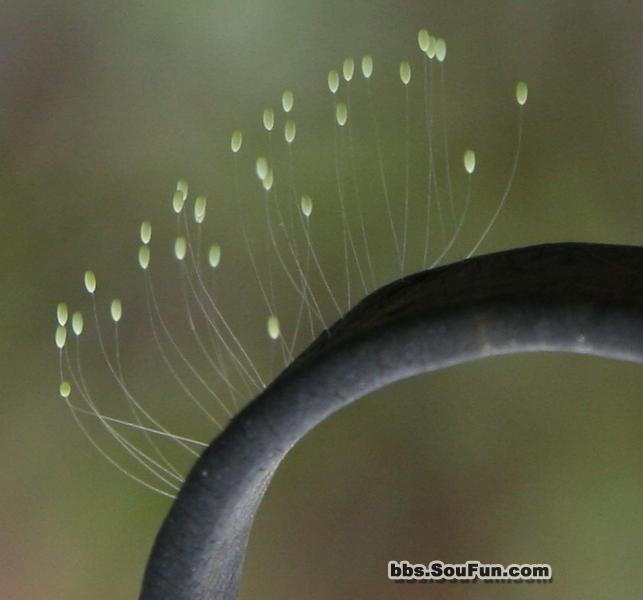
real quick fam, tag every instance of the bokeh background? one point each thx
(103, 106)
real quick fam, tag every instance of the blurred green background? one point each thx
(103, 106)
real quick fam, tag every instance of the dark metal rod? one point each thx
(580, 298)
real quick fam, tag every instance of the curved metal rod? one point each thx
(581, 298)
